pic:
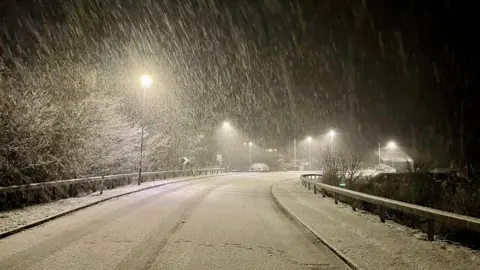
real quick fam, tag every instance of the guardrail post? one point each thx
(431, 230)
(323, 193)
(382, 214)
(354, 205)
(314, 189)
(308, 186)
(335, 196)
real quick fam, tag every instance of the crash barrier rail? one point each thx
(471, 223)
(126, 178)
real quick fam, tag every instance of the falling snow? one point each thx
(349, 75)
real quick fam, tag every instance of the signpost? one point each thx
(219, 159)
(184, 160)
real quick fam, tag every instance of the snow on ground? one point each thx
(13, 219)
(366, 241)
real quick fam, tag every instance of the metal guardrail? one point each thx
(471, 223)
(145, 176)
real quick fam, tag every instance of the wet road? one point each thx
(223, 222)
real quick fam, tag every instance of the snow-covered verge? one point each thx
(13, 219)
(366, 241)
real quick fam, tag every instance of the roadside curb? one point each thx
(289, 212)
(50, 218)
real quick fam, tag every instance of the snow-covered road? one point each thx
(226, 222)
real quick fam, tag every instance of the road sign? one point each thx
(184, 160)
(145, 133)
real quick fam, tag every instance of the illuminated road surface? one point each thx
(223, 222)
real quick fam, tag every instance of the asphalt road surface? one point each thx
(223, 222)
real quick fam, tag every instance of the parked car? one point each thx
(259, 167)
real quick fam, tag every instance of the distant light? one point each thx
(226, 124)
(275, 149)
(392, 145)
(250, 143)
(146, 81)
(244, 143)
(332, 133)
(309, 139)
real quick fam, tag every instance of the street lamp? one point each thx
(294, 154)
(250, 144)
(146, 82)
(332, 134)
(392, 146)
(309, 139)
(226, 127)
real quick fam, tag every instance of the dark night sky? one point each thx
(279, 69)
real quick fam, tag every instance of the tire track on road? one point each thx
(143, 256)
(39, 252)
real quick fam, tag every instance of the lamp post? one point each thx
(250, 144)
(379, 155)
(146, 81)
(392, 146)
(294, 154)
(332, 134)
(226, 127)
(309, 139)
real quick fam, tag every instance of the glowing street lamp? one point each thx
(391, 145)
(146, 82)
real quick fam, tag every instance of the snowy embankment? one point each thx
(367, 242)
(13, 219)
